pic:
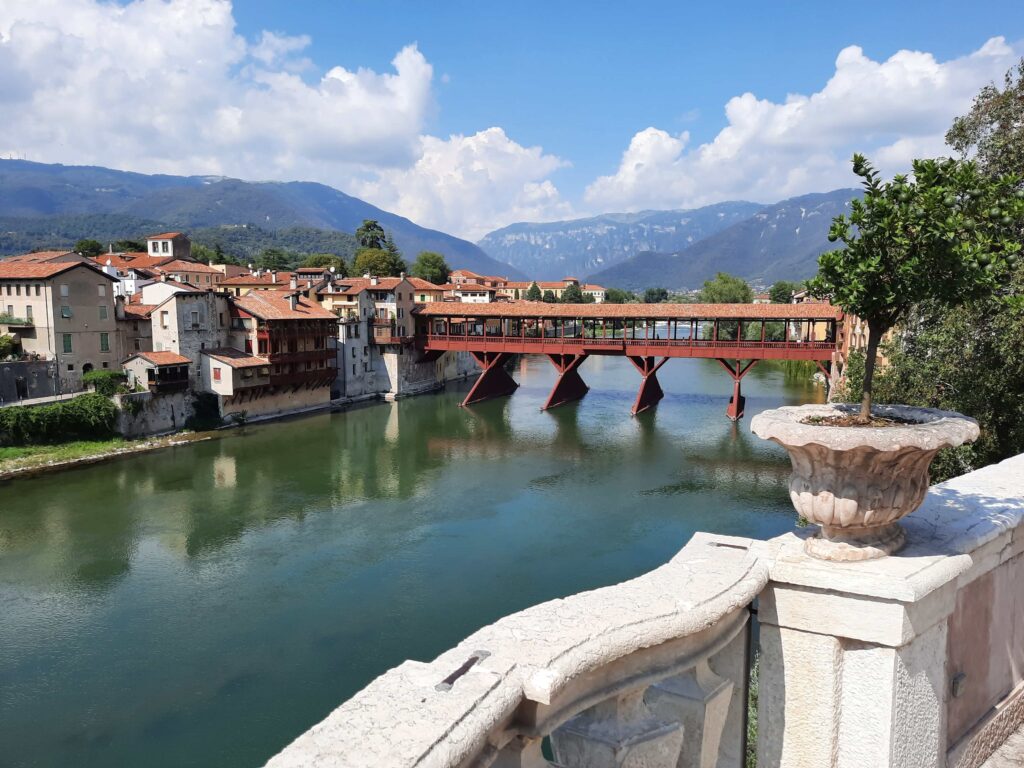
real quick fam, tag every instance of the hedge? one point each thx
(105, 382)
(86, 417)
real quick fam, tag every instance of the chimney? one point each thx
(293, 283)
(273, 276)
(373, 281)
(110, 247)
(402, 275)
(366, 276)
(293, 301)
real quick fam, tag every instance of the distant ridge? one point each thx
(32, 191)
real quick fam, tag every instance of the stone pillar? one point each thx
(852, 665)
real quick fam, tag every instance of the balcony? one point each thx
(16, 322)
(166, 386)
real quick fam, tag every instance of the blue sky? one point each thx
(580, 78)
(468, 116)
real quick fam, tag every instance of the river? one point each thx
(205, 604)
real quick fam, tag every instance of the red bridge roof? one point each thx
(528, 309)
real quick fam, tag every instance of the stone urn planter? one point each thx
(856, 482)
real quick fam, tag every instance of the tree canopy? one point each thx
(726, 289)
(655, 296)
(619, 296)
(326, 260)
(88, 247)
(994, 128)
(549, 297)
(533, 293)
(572, 294)
(371, 235)
(782, 291)
(432, 267)
(274, 258)
(944, 237)
(377, 262)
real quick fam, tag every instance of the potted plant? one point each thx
(945, 236)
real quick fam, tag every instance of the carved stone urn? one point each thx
(856, 482)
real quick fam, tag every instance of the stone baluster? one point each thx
(699, 699)
(521, 753)
(621, 732)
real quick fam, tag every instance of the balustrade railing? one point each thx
(652, 672)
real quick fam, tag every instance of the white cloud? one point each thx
(472, 184)
(169, 86)
(893, 111)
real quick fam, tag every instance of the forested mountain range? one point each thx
(44, 205)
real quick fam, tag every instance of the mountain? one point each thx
(30, 191)
(779, 242)
(582, 246)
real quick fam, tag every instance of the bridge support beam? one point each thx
(570, 385)
(737, 401)
(494, 380)
(650, 388)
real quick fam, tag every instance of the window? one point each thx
(65, 312)
(37, 290)
(365, 351)
(104, 342)
(103, 311)
(10, 310)
(64, 290)
(67, 342)
(401, 313)
(71, 366)
(138, 346)
(106, 364)
(102, 289)
(216, 374)
(156, 247)
(166, 246)
(195, 319)
(163, 318)
(220, 319)
(263, 346)
(353, 369)
(28, 311)
(353, 353)
(17, 290)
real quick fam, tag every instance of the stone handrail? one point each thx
(654, 669)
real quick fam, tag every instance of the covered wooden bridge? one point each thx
(736, 335)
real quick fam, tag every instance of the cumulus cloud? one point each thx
(893, 110)
(472, 184)
(169, 86)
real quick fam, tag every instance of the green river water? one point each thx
(203, 605)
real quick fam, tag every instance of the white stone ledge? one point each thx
(409, 717)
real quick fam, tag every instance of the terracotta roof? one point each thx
(235, 358)
(183, 265)
(311, 270)
(274, 305)
(130, 260)
(22, 270)
(424, 285)
(162, 358)
(164, 236)
(266, 278)
(639, 311)
(139, 310)
(40, 256)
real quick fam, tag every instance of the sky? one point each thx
(468, 116)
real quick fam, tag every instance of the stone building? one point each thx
(189, 322)
(173, 244)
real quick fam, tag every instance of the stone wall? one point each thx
(143, 414)
(25, 380)
(286, 400)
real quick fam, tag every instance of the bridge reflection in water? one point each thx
(736, 335)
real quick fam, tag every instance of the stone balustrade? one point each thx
(911, 660)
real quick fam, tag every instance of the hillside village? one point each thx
(258, 342)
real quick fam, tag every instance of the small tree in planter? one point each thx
(946, 236)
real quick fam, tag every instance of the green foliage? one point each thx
(105, 382)
(750, 759)
(944, 238)
(994, 128)
(618, 296)
(782, 291)
(88, 247)
(327, 260)
(275, 258)
(377, 262)
(572, 294)
(533, 293)
(371, 235)
(86, 417)
(655, 296)
(549, 297)
(130, 246)
(588, 298)
(6, 345)
(11, 319)
(432, 267)
(206, 412)
(726, 289)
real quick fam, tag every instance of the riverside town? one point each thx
(452, 397)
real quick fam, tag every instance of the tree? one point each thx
(549, 297)
(90, 248)
(432, 267)
(129, 246)
(588, 298)
(533, 293)
(782, 291)
(371, 235)
(994, 128)
(6, 346)
(944, 238)
(326, 260)
(726, 289)
(273, 258)
(572, 294)
(618, 296)
(655, 296)
(377, 262)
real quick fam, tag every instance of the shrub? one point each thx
(206, 412)
(105, 383)
(86, 417)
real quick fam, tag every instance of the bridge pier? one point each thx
(494, 380)
(570, 385)
(737, 401)
(650, 388)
